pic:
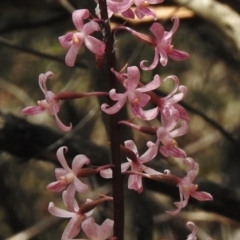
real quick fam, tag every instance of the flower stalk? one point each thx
(117, 184)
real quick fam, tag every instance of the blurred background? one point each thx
(29, 32)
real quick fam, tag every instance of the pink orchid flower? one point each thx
(163, 47)
(74, 40)
(166, 135)
(136, 95)
(162, 43)
(187, 188)
(97, 232)
(168, 105)
(136, 165)
(49, 103)
(74, 212)
(67, 176)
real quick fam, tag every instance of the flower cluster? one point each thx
(173, 119)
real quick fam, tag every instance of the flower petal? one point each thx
(32, 110)
(78, 162)
(72, 54)
(131, 145)
(106, 173)
(133, 78)
(94, 45)
(79, 186)
(202, 196)
(58, 212)
(154, 63)
(78, 16)
(135, 183)
(61, 125)
(155, 83)
(158, 31)
(73, 227)
(61, 158)
(178, 55)
(116, 107)
(90, 27)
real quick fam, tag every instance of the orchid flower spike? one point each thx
(49, 103)
(74, 40)
(187, 188)
(136, 164)
(67, 176)
(136, 96)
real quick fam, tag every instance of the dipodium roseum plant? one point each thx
(144, 104)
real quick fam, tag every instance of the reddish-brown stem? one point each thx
(118, 192)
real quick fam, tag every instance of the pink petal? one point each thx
(116, 96)
(142, 98)
(69, 198)
(155, 1)
(61, 158)
(178, 97)
(43, 79)
(135, 183)
(72, 54)
(163, 57)
(158, 31)
(78, 162)
(73, 227)
(106, 173)
(155, 83)
(57, 186)
(131, 145)
(94, 45)
(149, 114)
(174, 28)
(149, 154)
(133, 76)
(90, 228)
(105, 230)
(202, 196)
(66, 40)
(128, 13)
(61, 125)
(145, 11)
(79, 186)
(58, 212)
(178, 55)
(119, 6)
(172, 151)
(78, 16)
(125, 166)
(32, 110)
(151, 171)
(115, 108)
(59, 172)
(183, 129)
(192, 226)
(90, 27)
(154, 63)
(182, 112)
